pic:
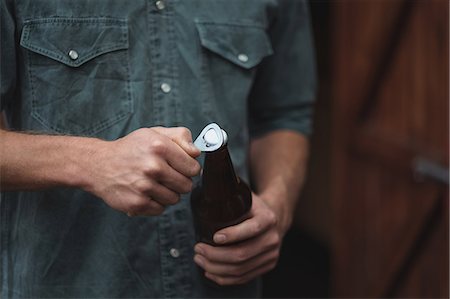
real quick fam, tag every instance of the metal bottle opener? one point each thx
(211, 138)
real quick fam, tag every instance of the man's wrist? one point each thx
(84, 155)
(282, 205)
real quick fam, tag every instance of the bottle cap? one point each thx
(211, 138)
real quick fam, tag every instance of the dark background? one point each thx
(373, 218)
(303, 270)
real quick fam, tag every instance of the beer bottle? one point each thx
(221, 198)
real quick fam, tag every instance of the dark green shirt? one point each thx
(104, 68)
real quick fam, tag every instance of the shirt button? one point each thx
(73, 54)
(160, 5)
(166, 88)
(242, 58)
(174, 252)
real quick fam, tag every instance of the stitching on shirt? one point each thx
(174, 73)
(119, 45)
(128, 70)
(59, 21)
(230, 24)
(257, 53)
(33, 93)
(79, 62)
(96, 127)
(157, 101)
(206, 85)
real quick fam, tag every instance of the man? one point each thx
(101, 100)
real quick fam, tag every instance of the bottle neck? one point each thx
(219, 167)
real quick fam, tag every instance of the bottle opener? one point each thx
(211, 138)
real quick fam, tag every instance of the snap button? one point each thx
(160, 5)
(73, 54)
(242, 58)
(166, 88)
(174, 252)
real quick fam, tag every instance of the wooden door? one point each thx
(390, 141)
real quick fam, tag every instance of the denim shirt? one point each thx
(104, 68)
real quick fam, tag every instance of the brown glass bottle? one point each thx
(221, 199)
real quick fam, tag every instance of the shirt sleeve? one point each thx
(283, 94)
(7, 54)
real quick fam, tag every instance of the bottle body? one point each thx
(221, 199)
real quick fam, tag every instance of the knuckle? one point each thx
(186, 132)
(143, 186)
(158, 146)
(257, 228)
(137, 205)
(154, 168)
(241, 256)
(276, 239)
(272, 218)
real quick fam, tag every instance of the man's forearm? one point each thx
(29, 162)
(278, 165)
(139, 174)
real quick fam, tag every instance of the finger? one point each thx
(144, 206)
(165, 148)
(182, 137)
(238, 253)
(181, 161)
(175, 181)
(161, 172)
(185, 142)
(163, 195)
(156, 191)
(237, 270)
(154, 209)
(250, 228)
(232, 280)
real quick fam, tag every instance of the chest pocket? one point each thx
(241, 44)
(79, 73)
(230, 54)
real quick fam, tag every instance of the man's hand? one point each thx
(278, 163)
(145, 171)
(249, 249)
(138, 174)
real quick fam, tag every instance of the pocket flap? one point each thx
(74, 41)
(243, 45)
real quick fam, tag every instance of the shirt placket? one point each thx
(175, 253)
(166, 112)
(165, 96)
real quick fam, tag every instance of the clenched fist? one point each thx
(145, 171)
